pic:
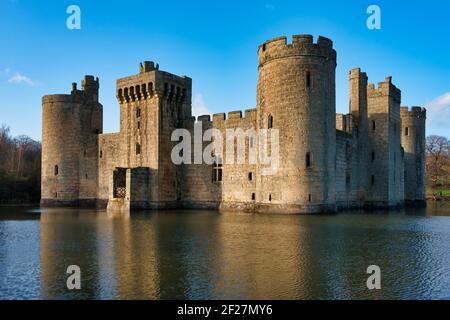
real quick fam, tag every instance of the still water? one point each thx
(208, 255)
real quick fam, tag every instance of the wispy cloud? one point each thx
(18, 78)
(438, 111)
(198, 106)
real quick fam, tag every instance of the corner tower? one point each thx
(413, 143)
(296, 95)
(70, 127)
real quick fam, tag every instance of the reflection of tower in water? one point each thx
(77, 237)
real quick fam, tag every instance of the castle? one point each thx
(374, 156)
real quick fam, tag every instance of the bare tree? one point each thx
(438, 152)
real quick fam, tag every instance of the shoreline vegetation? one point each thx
(20, 168)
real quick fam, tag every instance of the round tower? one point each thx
(296, 96)
(413, 143)
(70, 127)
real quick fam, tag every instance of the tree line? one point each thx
(438, 165)
(20, 168)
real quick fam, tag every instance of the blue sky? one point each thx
(215, 43)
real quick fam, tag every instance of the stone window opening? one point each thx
(309, 197)
(217, 170)
(56, 170)
(138, 148)
(84, 153)
(139, 125)
(138, 92)
(372, 180)
(251, 142)
(138, 112)
(253, 196)
(101, 154)
(270, 197)
(144, 90)
(308, 160)
(406, 131)
(86, 176)
(308, 79)
(373, 125)
(264, 47)
(250, 176)
(150, 88)
(269, 122)
(373, 156)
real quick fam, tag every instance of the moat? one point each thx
(208, 255)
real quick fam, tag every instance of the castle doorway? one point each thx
(120, 182)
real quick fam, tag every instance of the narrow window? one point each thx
(372, 180)
(406, 131)
(56, 170)
(250, 176)
(309, 197)
(373, 125)
(150, 88)
(138, 148)
(270, 197)
(138, 112)
(253, 196)
(101, 154)
(138, 124)
(308, 79)
(373, 156)
(84, 153)
(217, 170)
(269, 122)
(86, 175)
(308, 160)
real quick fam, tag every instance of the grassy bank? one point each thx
(439, 194)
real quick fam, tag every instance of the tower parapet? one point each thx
(385, 88)
(302, 45)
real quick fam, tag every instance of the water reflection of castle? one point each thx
(207, 255)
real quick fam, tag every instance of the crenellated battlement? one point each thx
(385, 88)
(89, 92)
(151, 82)
(414, 112)
(233, 118)
(301, 45)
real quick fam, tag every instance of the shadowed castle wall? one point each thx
(413, 142)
